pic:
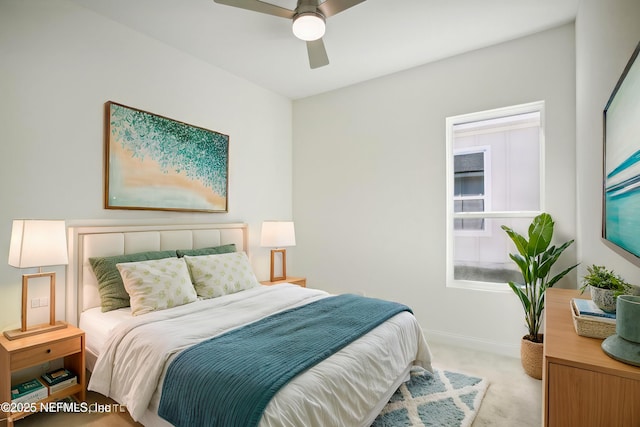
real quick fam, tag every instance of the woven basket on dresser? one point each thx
(590, 327)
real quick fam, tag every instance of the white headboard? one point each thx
(109, 240)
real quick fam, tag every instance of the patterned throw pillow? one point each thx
(217, 275)
(157, 284)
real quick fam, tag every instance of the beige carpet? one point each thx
(512, 399)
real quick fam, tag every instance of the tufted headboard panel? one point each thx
(95, 241)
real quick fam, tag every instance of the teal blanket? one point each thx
(229, 380)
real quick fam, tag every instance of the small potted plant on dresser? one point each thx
(605, 286)
(535, 258)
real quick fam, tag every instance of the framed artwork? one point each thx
(153, 162)
(621, 204)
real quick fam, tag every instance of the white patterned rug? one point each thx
(442, 399)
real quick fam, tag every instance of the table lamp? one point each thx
(37, 243)
(278, 234)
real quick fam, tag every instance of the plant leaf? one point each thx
(520, 242)
(524, 299)
(551, 256)
(559, 276)
(522, 263)
(540, 234)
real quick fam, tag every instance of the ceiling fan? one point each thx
(308, 17)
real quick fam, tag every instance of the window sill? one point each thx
(479, 286)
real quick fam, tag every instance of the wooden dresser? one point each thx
(581, 385)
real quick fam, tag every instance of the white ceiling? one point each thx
(372, 39)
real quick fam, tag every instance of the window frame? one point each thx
(451, 234)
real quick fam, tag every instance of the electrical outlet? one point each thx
(44, 302)
(35, 303)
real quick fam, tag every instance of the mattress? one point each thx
(97, 326)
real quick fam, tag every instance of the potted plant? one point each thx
(605, 286)
(535, 258)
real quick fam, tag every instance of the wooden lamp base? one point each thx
(24, 331)
(34, 330)
(284, 264)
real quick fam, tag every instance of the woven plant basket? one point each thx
(531, 357)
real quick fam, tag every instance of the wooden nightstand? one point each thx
(300, 281)
(15, 355)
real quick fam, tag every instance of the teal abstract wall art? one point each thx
(153, 162)
(621, 216)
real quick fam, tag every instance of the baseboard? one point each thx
(511, 350)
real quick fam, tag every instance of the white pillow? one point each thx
(222, 274)
(157, 284)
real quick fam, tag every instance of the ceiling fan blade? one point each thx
(332, 7)
(317, 54)
(259, 6)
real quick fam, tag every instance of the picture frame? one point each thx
(156, 163)
(621, 164)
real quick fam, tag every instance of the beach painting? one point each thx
(622, 162)
(153, 162)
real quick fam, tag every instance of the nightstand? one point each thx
(18, 354)
(300, 281)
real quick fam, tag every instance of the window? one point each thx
(494, 177)
(470, 181)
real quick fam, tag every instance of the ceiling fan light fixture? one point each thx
(309, 26)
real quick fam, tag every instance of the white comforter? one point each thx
(345, 389)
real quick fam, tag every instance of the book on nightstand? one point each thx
(587, 307)
(59, 379)
(29, 392)
(64, 384)
(57, 376)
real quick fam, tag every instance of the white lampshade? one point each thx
(37, 243)
(278, 234)
(309, 26)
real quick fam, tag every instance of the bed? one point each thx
(130, 356)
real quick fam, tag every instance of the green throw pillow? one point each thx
(113, 295)
(224, 249)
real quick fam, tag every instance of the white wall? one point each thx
(369, 180)
(606, 35)
(59, 64)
